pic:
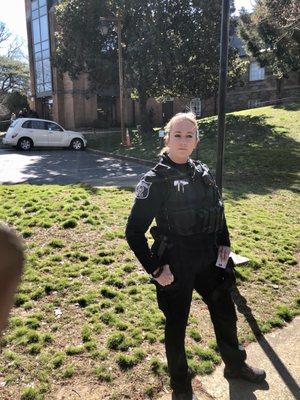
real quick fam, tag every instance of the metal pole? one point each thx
(222, 91)
(121, 82)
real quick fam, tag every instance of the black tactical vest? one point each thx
(193, 204)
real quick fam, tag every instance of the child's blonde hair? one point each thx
(190, 116)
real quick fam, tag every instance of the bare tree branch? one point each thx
(4, 33)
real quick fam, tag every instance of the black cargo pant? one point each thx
(195, 269)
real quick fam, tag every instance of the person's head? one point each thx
(181, 137)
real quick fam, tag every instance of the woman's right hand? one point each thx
(166, 277)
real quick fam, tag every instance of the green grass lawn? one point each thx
(86, 316)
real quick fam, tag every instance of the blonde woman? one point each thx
(191, 234)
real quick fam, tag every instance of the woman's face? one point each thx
(182, 140)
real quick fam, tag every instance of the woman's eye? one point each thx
(176, 135)
(189, 136)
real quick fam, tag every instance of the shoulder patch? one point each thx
(142, 190)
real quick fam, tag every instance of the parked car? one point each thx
(26, 133)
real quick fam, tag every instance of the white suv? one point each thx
(28, 132)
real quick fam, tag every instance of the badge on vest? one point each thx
(142, 189)
(180, 185)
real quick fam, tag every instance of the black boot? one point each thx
(246, 372)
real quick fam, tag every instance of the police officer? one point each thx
(191, 234)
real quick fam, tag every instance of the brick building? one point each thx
(72, 104)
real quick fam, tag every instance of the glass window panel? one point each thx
(43, 11)
(36, 124)
(44, 28)
(37, 47)
(51, 126)
(36, 31)
(48, 87)
(38, 56)
(256, 72)
(45, 45)
(195, 106)
(35, 14)
(34, 5)
(26, 124)
(46, 54)
(42, 2)
(39, 72)
(47, 70)
(40, 88)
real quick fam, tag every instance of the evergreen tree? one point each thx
(271, 33)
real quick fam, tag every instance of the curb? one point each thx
(122, 157)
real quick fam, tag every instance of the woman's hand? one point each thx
(223, 253)
(166, 277)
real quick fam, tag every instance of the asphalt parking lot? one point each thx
(67, 167)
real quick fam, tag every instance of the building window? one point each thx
(195, 106)
(41, 47)
(256, 72)
(254, 103)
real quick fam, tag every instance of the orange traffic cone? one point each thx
(127, 138)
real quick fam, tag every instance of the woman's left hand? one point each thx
(223, 253)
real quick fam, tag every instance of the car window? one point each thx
(26, 124)
(36, 124)
(51, 126)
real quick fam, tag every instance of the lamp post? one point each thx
(222, 91)
(121, 78)
(237, 259)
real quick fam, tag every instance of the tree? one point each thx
(171, 48)
(14, 75)
(4, 33)
(271, 33)
(81, 46)
(15, 102)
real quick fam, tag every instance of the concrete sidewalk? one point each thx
(278, 353)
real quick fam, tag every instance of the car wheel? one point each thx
(25, 144)
(77, 144)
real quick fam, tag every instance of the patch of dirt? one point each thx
(79, 390)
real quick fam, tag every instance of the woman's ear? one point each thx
(167, 139)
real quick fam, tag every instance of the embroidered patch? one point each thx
(142, 190)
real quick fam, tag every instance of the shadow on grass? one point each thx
(259, 157)
(288, 107)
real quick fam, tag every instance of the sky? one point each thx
(13, 15)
